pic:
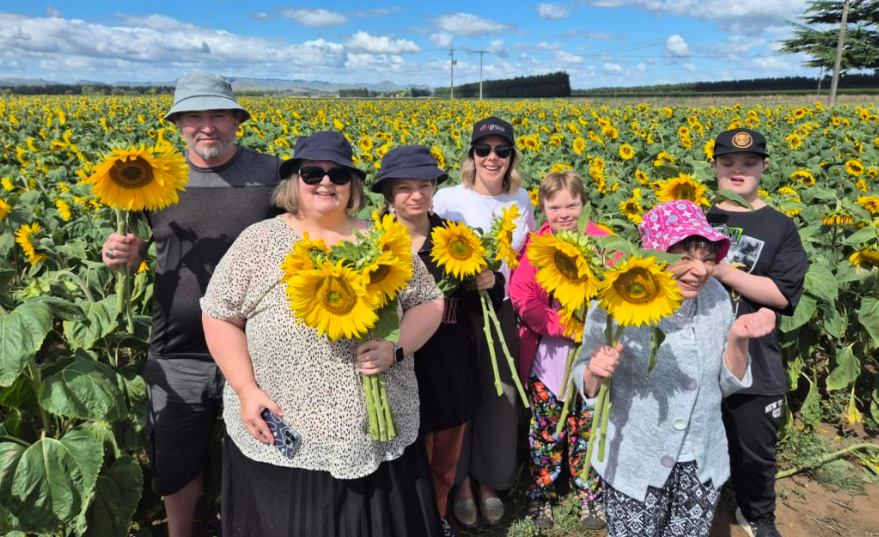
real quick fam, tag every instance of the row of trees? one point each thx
(82, 89)
(549, 85)
(765, 85)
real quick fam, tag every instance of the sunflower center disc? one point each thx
(460, 250)
(637, 286)
(131, 173)
(336, 295)
(567, 266)
(379, 274)
(686, 192)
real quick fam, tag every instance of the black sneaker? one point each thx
(541, 513)
(592, 516)
(762, 527)
(447, 530)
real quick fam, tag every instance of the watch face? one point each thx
(398, 354)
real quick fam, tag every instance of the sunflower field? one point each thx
(72, 399)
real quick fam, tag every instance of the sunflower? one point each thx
(626, 152)
(573, 326)
(579, 145)
(866, 256)
(438, 155)
(63, 209)
(663, 158)
(332, 300)
(458, 250)
(871, 203)
(872, 173)
(534, 194)
(682, 187)
(140, 178)
(504, 237)
(838, 217)
(794, 141)
(632, 210)
(854, 168)
(639, 291)
(642, 177)
(563, 268)
(861, 185)
(393, 237)
(7, 184)
(803, 176)
(385, 277)
(366, 143)
(301, 257)
(23, 238)
(5, 209)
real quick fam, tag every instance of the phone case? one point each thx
(286, 438)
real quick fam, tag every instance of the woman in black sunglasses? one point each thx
(489, 183)
(338, 481)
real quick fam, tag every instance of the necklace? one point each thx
(493, 209)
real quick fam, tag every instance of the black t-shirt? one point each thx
(192, 236)
(764, 243)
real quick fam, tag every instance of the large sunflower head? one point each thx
(572, 324)
(682, 187)
(865, 258)
(639, 291)
(302, 257)
(458, 250)
(386, 276)
(563, 267)
(140, 178)
(333, 300)
(23, 238)
(870, 203)
(393, 237)
(502, 233)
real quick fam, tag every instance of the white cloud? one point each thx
(689, 67)
(497, 48)
(260, 16)
(641, 67)
(566, 58)
(376, 44)
(316, 18)
(442, 39)
(677, 46)
(467, 24)
(377, 12)
(552, 11)
(543, 45)
(759, 12)
(371, 62)
(612, 67)
(52, 12)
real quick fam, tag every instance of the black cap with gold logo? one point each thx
(740, 141)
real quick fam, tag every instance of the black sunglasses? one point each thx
(312, 175)
(502, 151)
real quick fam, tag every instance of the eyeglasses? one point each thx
(483, 150)
(312, 175)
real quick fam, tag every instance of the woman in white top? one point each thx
(489, 183)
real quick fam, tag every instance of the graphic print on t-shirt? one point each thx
(744, 250)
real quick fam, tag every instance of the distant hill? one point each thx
(266, 85)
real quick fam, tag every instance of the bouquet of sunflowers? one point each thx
(631, 285)
(462, 253)
(351, 290)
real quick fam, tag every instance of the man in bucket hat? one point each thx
(229, 189)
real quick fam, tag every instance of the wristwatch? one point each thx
(399, 355)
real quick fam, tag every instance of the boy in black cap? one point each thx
(765, 268)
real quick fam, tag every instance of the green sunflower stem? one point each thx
(514, 373)
(377, 405)
(370, 407)
(568, 388)
(486, 329)
(386, 407)
(599, 420)
(123, 278)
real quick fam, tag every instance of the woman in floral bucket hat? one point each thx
(667, 451)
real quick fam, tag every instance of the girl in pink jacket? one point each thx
(543, 351)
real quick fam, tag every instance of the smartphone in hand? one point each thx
(287, 440)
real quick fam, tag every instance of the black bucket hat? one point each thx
(409, 162)
(740, 141)
(493, 126)
(323, 145)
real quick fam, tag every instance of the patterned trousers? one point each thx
(684, 507)
(548, 448)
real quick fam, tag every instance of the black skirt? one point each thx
(397, 500)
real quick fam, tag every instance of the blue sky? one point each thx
(598, 42)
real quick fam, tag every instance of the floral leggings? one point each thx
(548, 448)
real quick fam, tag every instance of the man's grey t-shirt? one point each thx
(192, 236)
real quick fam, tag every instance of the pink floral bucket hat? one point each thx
(673, 221)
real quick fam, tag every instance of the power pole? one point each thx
(480, 52)
(837, 62)
(452, 81)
